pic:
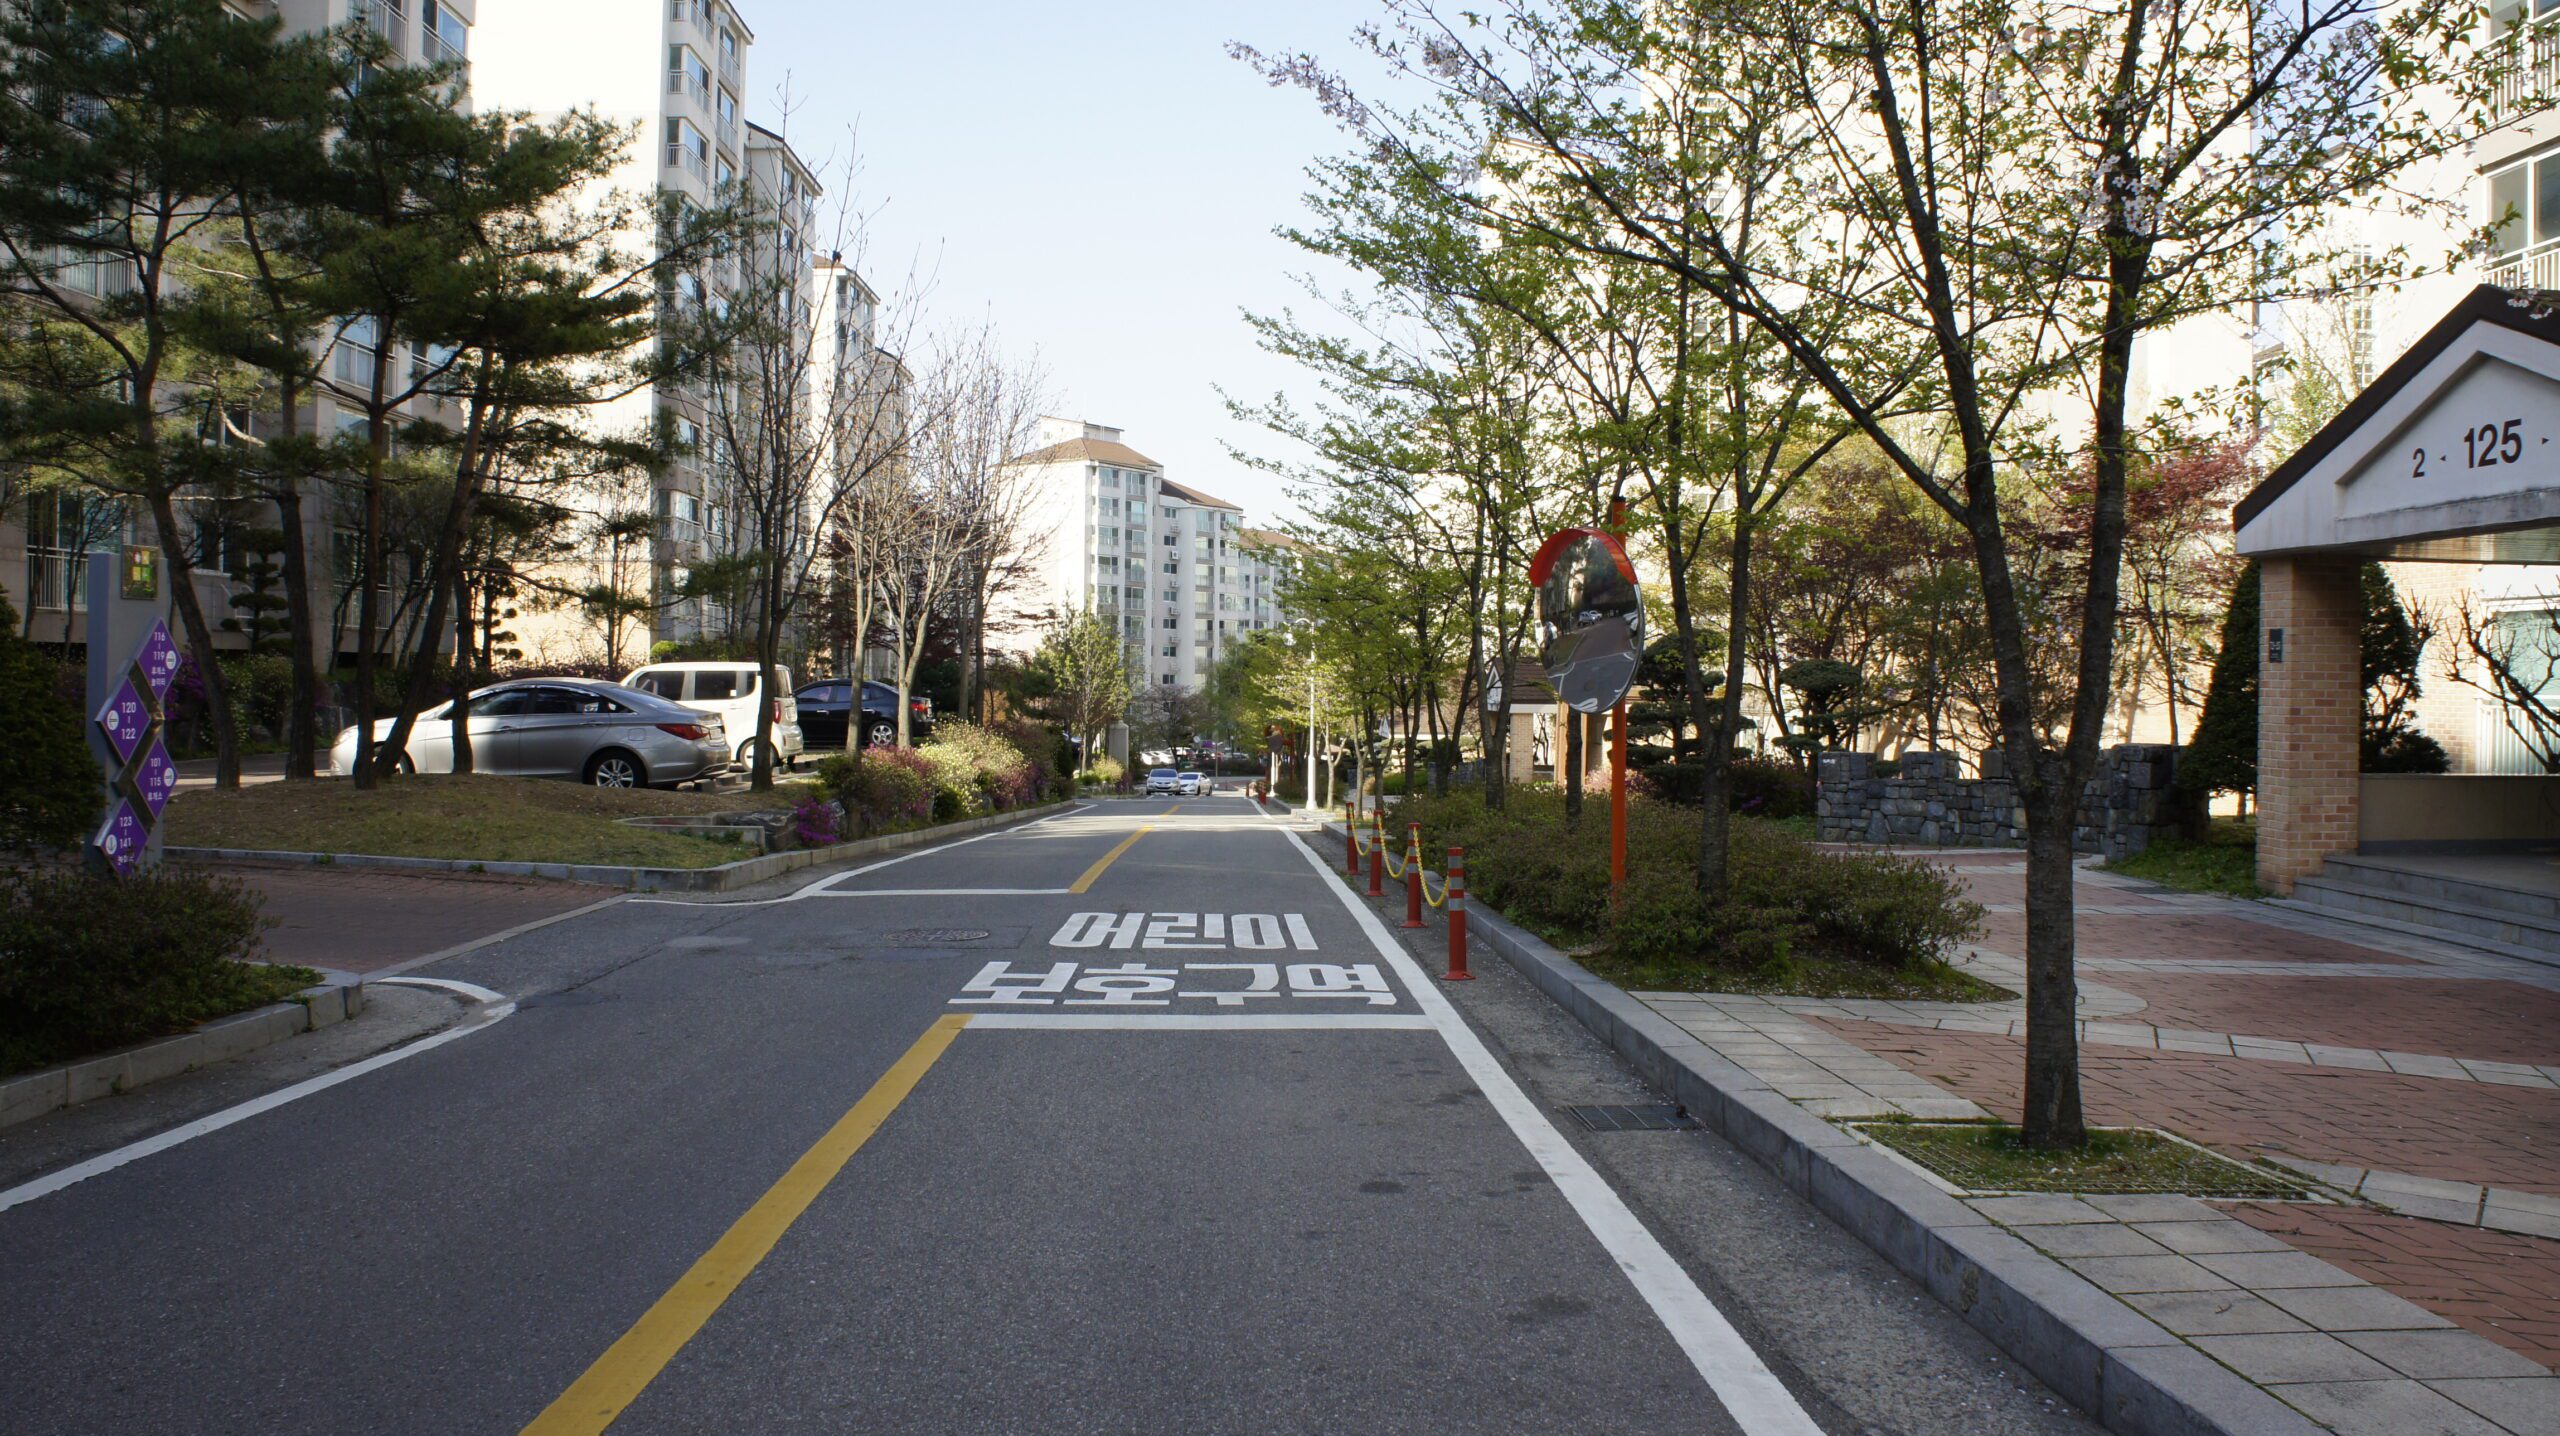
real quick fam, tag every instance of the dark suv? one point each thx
(827, 707)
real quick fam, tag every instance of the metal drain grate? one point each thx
(1631, 1119)
(936, 936)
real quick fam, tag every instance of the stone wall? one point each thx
(2126, 804)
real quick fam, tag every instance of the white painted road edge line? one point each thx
(949, 892)
(135, 1151)
(821, 886)
(1752, 1394)
(1197, 1021)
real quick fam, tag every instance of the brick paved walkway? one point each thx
(2338, 1009)
(365, 921)
(2495, 1283)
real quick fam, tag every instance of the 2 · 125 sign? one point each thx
(2484, 446)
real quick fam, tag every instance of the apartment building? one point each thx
(1176, 569)
(44, 542)
(675, 72)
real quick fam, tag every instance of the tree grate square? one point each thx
(1656, 1118)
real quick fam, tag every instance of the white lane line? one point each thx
(136, 1151)
(820, 887)
(950, 892)
(1197, 1021)
(472, 990)
(1752, 1394)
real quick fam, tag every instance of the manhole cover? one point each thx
(937, 936)
(1630, 1119)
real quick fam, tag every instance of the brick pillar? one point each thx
(2310, 709)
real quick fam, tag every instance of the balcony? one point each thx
(386, 18)
(2534, 269)
(53, 580)
(437, 50)
(2527, 69)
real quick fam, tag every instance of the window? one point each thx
(2530, 192)
(1172, 595)
(728, 107)
(1169, 540)
(1166, 680)
(1173, 650)
(1111, 478)
(724, 173)
(688, 148)
(711, 684)
(447, 38)
(1173, 568)
(1173, 623)
(728, 51)
(503, 703)
(358, 348)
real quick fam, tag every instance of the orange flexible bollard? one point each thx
(1350, 841)
(1457, 919)
(1413, 875)
(1378, 863)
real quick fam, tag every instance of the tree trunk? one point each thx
(2051, 1112)
(302, 725)
(465, 671)
(182, 590)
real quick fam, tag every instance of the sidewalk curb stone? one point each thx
(35, 1094)
(746, 872)
(2098, 1353)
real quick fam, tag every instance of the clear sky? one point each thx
(1099, 179)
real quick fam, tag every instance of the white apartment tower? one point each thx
(675, 71)
(1176, 569)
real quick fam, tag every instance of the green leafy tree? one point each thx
(1083, 677)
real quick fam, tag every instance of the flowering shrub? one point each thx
(983, 770)
(814, 824)
(883, 789)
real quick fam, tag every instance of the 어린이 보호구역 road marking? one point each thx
(1129, 985)
(1249, 931)
(617, 1378)
(1085, 883)
(1751, 1393)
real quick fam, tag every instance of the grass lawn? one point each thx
(1801, 976)
(1992, 1157)
(469, 817)
(2225, 862)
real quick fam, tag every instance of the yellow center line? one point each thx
(1113, 856)
(627, 1367)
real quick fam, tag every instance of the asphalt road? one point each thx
(1124, 1121)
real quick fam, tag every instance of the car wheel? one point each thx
(880, 733)
(747, 756)
(403, 766)
(614, 768)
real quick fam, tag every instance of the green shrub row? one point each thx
(88, 963)
(1788, 897)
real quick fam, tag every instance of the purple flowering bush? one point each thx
(814, 824)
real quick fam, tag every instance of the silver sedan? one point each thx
(600, 733)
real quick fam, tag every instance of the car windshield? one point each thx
(1163, 773)
(1193, 776)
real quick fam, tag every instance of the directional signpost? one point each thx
(132, 662)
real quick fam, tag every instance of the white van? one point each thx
(730, 690)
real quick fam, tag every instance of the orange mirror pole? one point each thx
(1618, 796)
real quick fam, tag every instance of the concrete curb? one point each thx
(744, 873)
(34, 1094)
(2101, 1355)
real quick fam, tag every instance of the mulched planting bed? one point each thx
(1991, 1157)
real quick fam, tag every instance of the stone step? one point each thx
(2380, 874)
(2510, 934)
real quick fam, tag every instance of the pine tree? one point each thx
(2223, 757)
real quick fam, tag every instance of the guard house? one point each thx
(2448, 468)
